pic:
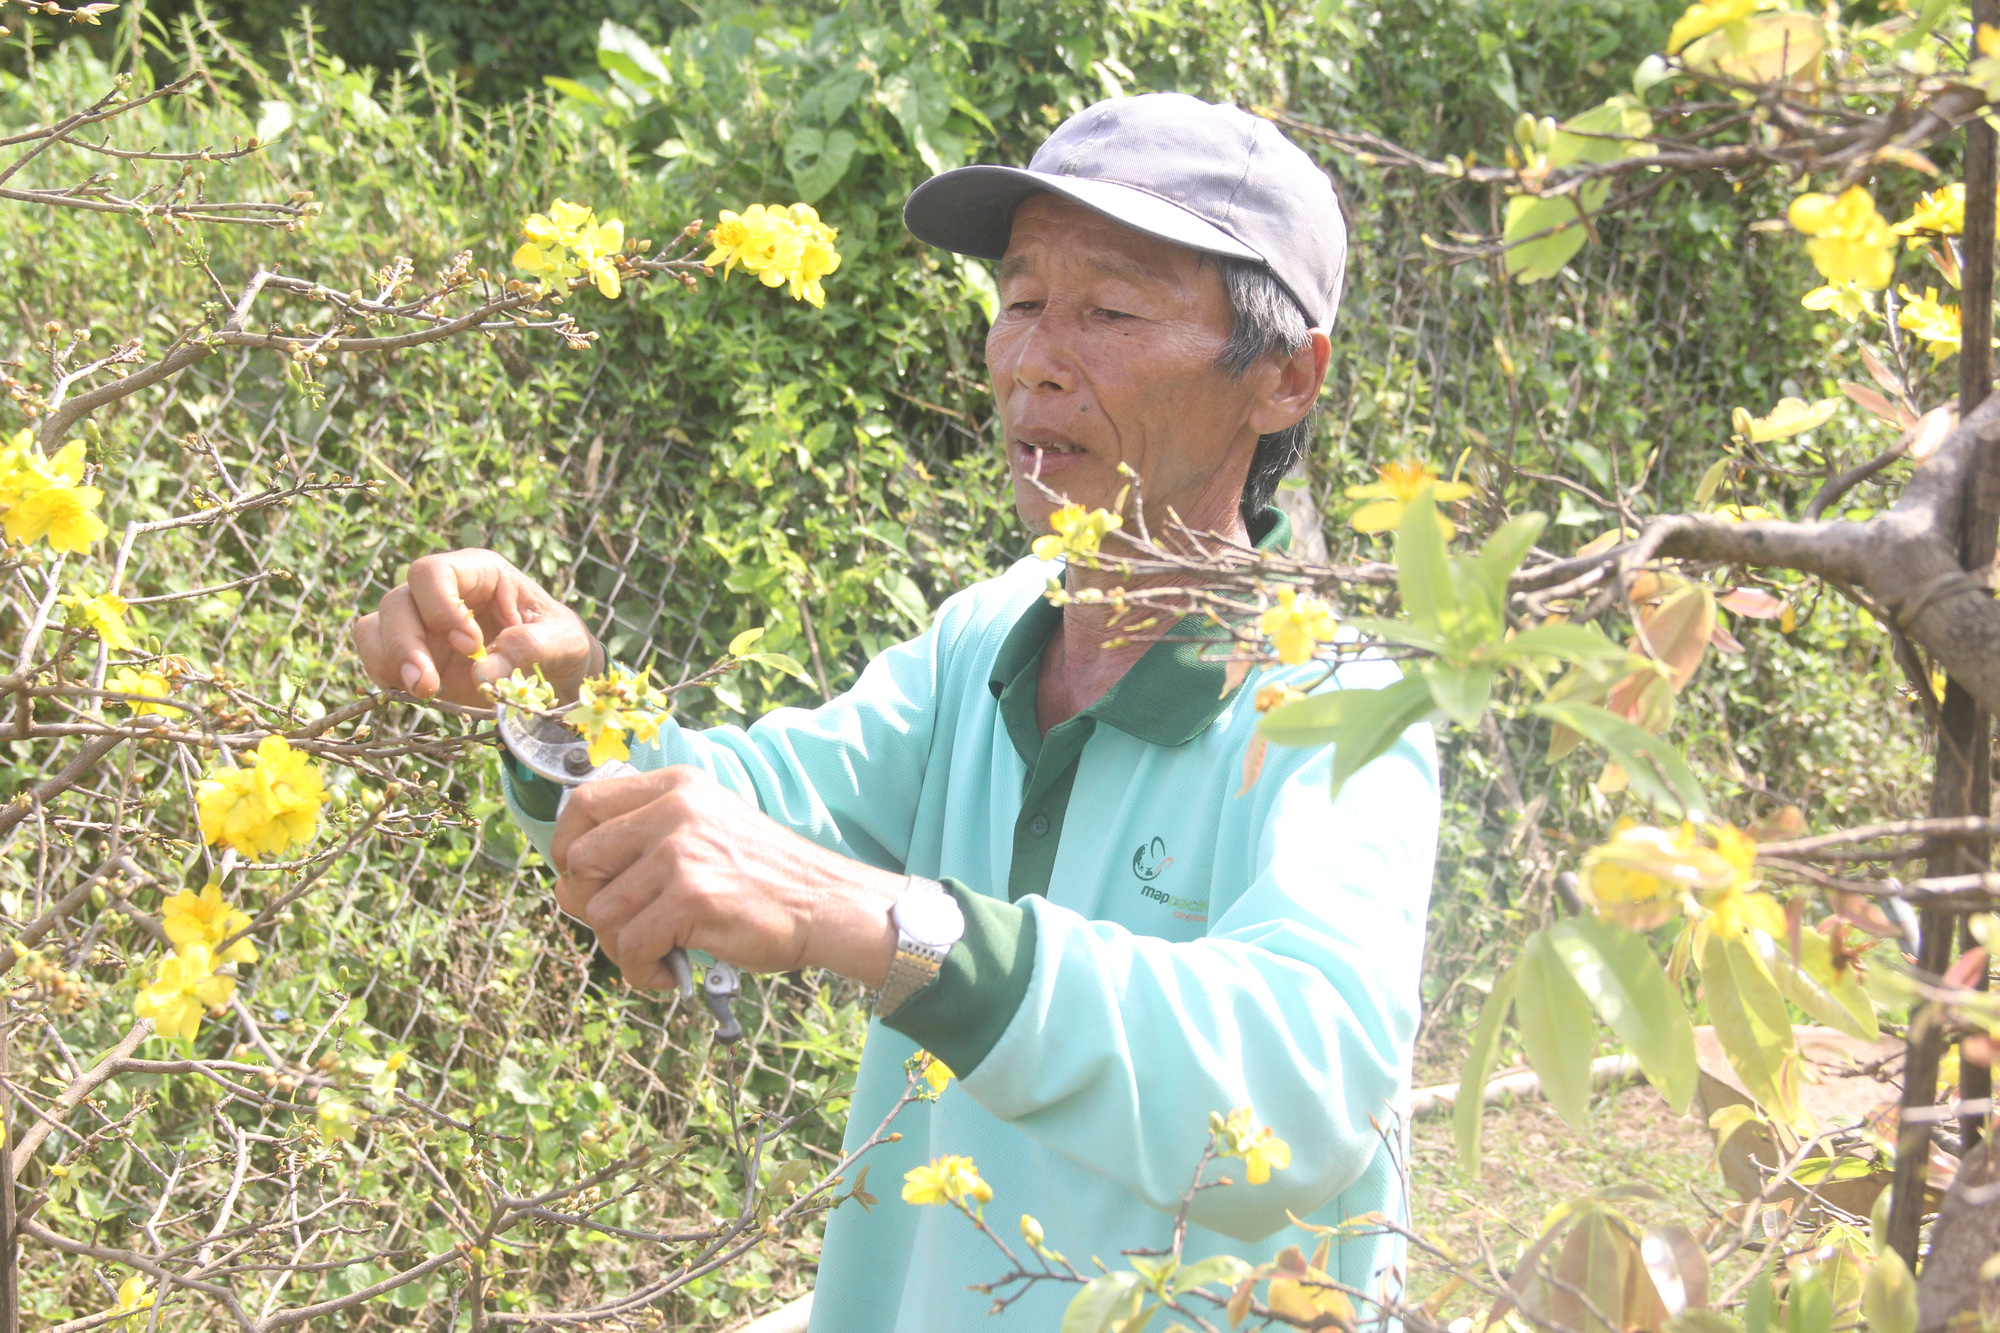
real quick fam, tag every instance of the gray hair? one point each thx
(1264, 321)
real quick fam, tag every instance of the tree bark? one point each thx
(1962, 776)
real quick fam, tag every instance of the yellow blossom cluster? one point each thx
(932, 1070)
(134, 1293)
(1400, 486)
(1260, 1148)
(950, 1180)
(203, 918)
(1645, 876)
(1851, 245)
(145, 682)
(269, 804)
(609, 708)
(45, 497)
(1936, 324)
(104, 614)
(1705, 16)
(780, 245)
(1076, 531)
(184, 986)
(1298, 624)
(568, 242)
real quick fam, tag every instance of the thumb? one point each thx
(560, 647)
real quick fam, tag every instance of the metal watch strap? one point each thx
(915, 965)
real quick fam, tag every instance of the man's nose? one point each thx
(1042, 357)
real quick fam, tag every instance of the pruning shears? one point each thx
(558, 753)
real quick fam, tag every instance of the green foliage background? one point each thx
(727, 458)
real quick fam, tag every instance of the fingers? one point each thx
(595, 805)
(403, 650)
(558, 644)
(451, 588)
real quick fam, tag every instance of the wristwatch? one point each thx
(928, 922)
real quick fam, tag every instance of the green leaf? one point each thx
(1395, 631)
(1423, 568)
(1556, 1030)
(1805, 991)
(1760, 1302)
(1462, 692)
(624, 52)
(1527, 214)
(1751, 1022)
(817, 159)
(1710, 480)
(1503, 553)
(1369, 731)
(1224, 1270)
(1701, 1321)
(741, 643)
(576, 92)
(1103, 1303)
(1658, 773)
(513, 1080)
(1889, 1299)
(1808, 1304)
(779, 662)
(1470, 1104)
(1621, 976)
(1569, 643)
(1842, 983)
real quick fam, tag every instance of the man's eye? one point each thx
(1024, 307)
(1116, 314)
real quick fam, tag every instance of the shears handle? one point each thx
(722, 983)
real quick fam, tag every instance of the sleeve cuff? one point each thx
(538, 798)
(960, 1017)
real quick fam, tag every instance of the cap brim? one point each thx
(970, 211)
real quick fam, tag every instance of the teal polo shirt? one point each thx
(1144, 945)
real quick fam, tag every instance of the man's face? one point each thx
(1103, 351)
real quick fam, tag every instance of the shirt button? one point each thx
(1039, 826)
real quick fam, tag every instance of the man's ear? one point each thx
(1290, 385)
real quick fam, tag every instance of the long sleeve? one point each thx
(846, 775)
(1301, 1003)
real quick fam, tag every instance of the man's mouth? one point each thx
(1036, 457)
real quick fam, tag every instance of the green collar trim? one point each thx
(1170, 696)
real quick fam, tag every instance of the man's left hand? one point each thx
(673, 859)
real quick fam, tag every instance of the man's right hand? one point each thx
(422, 638)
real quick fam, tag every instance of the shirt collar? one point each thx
(1170, 695)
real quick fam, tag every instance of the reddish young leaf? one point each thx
(1881, 374)
(1875, 402)
(1752, 602)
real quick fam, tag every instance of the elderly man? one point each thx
(1021, 829)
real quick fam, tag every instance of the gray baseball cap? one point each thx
(1212, 178)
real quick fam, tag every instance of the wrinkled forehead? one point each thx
(1051, 234)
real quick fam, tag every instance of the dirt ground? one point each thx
(1531, 1160)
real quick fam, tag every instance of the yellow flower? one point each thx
(936, 1072)
(607, 708)
(1843, 299)
(1937, 325)
(1260, 1149)
(1031, 1231)
(945, 1180)
(1939, 213)
(1640, 878)
(1792, 416)
(42, 497)
(140, 681)
(569, 242)
(1077, 532)
(1308, 1295)
(133, 1296)
(1297, 624)
(204, 919)
(337, 1121)
(184, 986)
(1987, 39)
(1851, 242)
(1705, 16)
(780, 245)
(104, 613)
(270, 804)
(1400, 486)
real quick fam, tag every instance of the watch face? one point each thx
(931, 919)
